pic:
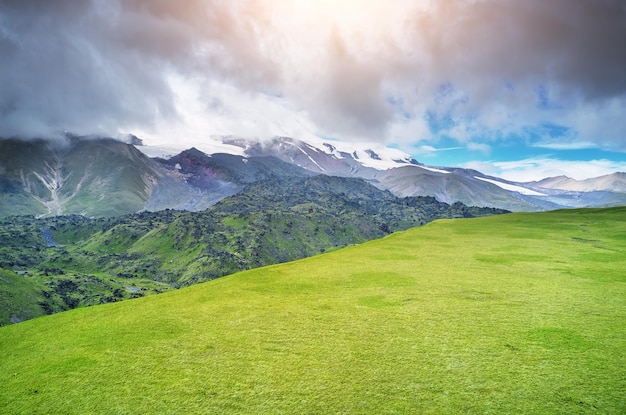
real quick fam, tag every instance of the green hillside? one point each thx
(73, 261)
(21, 298)
(518, 313)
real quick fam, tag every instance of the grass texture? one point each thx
(520, 313)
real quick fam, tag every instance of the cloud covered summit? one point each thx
(419, 75)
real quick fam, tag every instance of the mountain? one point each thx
(324, 157)
(615, 182)
(466, 186)
(96, 177)
(398, 172)
(388, 169)
(106, 177)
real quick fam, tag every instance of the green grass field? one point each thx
(520, 313)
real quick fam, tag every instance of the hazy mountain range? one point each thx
(106, 177)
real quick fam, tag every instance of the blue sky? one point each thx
(517, 89)
(521, 162)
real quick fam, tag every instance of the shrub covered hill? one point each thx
(65, 262)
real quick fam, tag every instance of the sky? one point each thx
(517, 89)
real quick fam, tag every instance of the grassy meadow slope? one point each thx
(519, 313)
(74, 261)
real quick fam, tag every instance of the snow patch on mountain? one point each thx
(433, 169)
(371, 155)
(311, 158)
(511, 187)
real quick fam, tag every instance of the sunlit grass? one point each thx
(522, 313)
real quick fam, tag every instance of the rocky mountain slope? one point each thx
(100, 177)
(106, 177)
(615, 182)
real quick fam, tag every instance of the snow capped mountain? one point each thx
(106, 177)
(396, 171)
(369, 155)
(321, 156)
(615, 182)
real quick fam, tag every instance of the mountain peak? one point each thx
(194, 152)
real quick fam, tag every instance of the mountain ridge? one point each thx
(394, 170)
(615, 182)
(107, 177)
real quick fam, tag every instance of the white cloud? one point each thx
(429, 151)
(564, 145)
(538, 168)
(484, 148)
(214, 108)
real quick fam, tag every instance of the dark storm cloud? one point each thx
(350, 94)
(575, 44)
(102, 66)
(96, 67)
(533, 61)
(65, 67)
